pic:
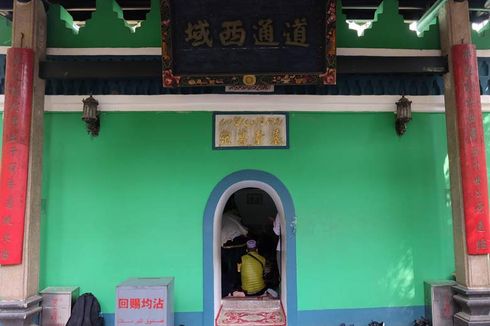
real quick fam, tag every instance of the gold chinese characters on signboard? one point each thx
(250, 130)
(233, 33)
(216, 43)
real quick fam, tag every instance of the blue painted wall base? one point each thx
(180, 318)
(393, 316)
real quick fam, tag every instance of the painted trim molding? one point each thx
(104, 51)
(246, 103)
(158, 51)
(387, 52)
(483, 53)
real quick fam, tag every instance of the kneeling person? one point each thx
(252, 270)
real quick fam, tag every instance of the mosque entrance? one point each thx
(250, 260)
(253, 200)
(250, 227)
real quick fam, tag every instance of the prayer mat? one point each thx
(251, 312)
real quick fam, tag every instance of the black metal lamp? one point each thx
(403, 115)
(91, 115)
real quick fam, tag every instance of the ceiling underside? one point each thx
(411, 10)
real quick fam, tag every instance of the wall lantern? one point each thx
(91, 115)
(403, 115)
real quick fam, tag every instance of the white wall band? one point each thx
(251, 103)
(157, 51)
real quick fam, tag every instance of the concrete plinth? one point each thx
(20, 312)
(474, 305)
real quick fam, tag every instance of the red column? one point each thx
(472, 149)
(15, 153)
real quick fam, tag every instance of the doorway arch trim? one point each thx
(212, 222)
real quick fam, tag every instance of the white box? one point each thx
(145, 301)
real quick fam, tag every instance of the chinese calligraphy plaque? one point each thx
(15, 153)
(250, 130)
(257, 42)
(472, 149)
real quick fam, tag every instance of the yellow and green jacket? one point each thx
(252, 272)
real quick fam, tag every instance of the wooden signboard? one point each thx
(250, 130)
(255, 42)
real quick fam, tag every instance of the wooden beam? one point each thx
(153, 69)
(471, 271)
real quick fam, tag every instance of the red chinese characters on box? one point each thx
(144, 301)
(140, 303)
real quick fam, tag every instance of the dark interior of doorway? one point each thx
(255, 212)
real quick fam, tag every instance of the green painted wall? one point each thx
(373, 214)
(107, 28)
(388, 30)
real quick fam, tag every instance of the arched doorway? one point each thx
(211, 239)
